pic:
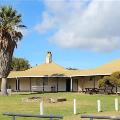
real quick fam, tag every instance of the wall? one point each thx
(79, 83)
(12, 83)
(87, 82)
(61, 84)
(24, 84)
(75, 84)
(52, 82)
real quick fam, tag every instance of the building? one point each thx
(50, 76)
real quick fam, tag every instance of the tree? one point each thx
(117, 76)
(19, 64)
(110, 81)
(10, 24)
(107, 81)
(72, 68)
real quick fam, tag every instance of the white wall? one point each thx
(83, 82)
(24, 84)
(12, 83)
(75, 84)
(61, 84)
(51, 82)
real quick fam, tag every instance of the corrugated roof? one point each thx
(53, 70)
(50, 69)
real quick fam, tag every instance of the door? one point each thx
(67, 85)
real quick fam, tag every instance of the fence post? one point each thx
(91, 118)
(99, 105)
(74, 109)
(116, 104)
(14, 118)
(41, 107)
(50, 117)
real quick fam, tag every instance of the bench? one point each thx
(108, 90)
(91, 117)
(91, 90)
(51, 117)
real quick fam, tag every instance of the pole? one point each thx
(30, 84)
(14, 118)
(116, 104)
(57, 84)
(43, 84)
(71, 84)
(94, 81)
(74, 109)
(41, 108)
(16, 84)
(99, 105)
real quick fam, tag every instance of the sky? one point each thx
(80, 34)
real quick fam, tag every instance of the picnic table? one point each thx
(107, 90)
(91, 90)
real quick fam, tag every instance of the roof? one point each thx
(112, 65)
(55, 70)
(51, 69)
(105, 69)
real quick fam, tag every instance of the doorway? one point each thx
(17, 85)
(68, 85)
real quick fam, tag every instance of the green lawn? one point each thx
(86, 104)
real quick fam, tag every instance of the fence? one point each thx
(51, 117)
(100, 117)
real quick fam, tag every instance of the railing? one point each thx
(14, 115)
(100, 117)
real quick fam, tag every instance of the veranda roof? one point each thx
(55, 70)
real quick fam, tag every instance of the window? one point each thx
(76, 81)
(45, 81)
(91, 78)
(38, 82)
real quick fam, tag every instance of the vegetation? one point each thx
(72, 68)
(110, 81)
(84, 104)
(19, 64)
(10, 24)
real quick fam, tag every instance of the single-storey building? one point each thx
(50, 76)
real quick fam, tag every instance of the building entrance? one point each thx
(68, 85)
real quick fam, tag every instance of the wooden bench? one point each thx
(51, 117)
(92, 117)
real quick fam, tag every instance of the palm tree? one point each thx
(10, 25)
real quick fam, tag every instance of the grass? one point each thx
(86, 104)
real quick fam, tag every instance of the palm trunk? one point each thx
(4, 87)
(5, 61)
